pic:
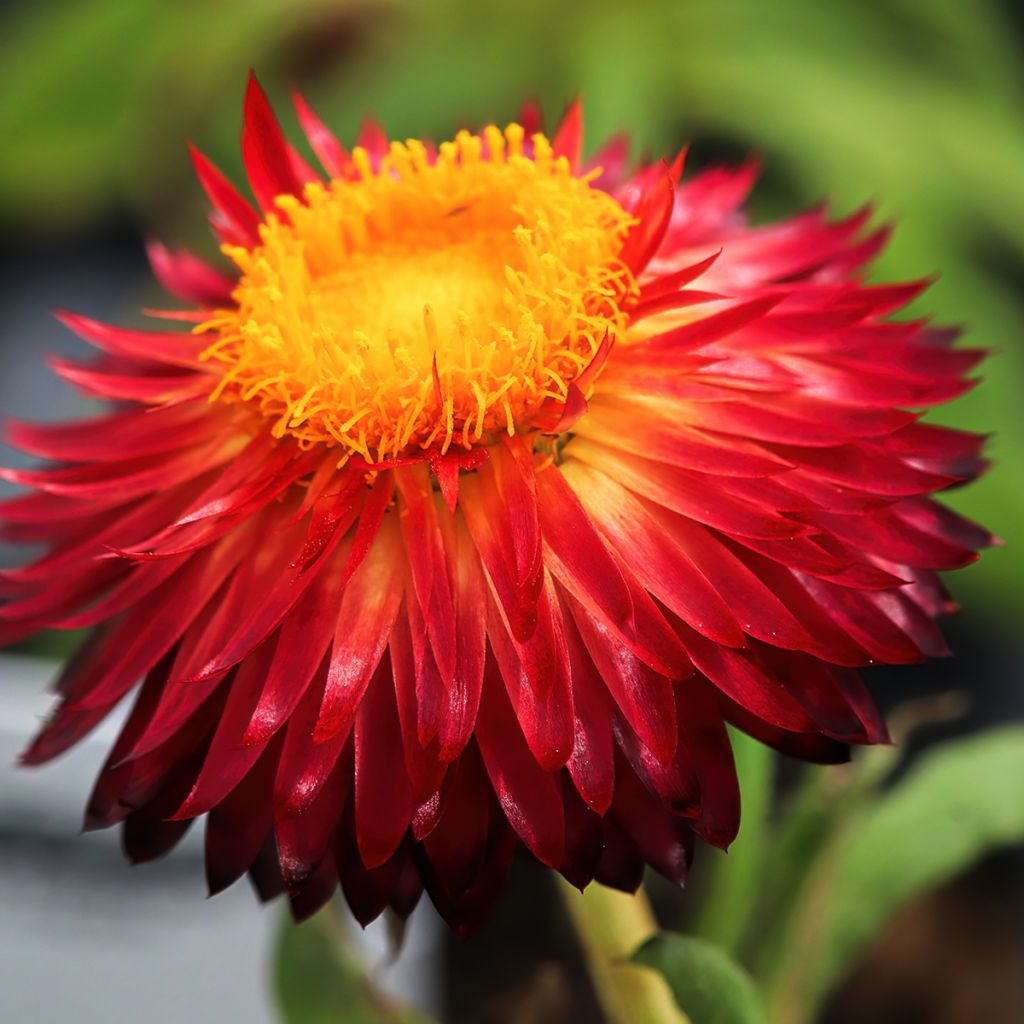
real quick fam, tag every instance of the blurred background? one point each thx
(914, 105)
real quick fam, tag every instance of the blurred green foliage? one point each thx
(319, 978)
(810, 883)
(707, 985)
(916, 105)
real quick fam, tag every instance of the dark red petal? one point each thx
(228, 760)
(621, 866)
(536, 675)
(383, 796)
(315, 892)
(591, 764)
(530, 797)
(703, 731)
(421, 701)
(145, 837)
(238, 826)
(644, 697)
(812, 747)
(662, 840)
(740, 675)
(457, 846)
(674, 781)
(105, 807)
(370, 892)
(584, 838)
(835, 699)
(471, 601)
(304, 840)
(466, 911)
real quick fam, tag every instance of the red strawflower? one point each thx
(462, 520)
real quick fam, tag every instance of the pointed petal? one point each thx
(265, 151)
(383, 796)
(530, 797)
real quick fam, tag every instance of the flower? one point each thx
(461, 522)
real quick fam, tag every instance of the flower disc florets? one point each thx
(385, 636)
(424, 304)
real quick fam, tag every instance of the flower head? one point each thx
(487, 489)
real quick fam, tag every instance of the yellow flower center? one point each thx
(427, 304)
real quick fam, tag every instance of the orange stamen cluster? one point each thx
(427, 303)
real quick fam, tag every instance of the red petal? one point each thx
(383, 796)
(577, 554)
(240, 222)
(500, 509)
(374, 140)
(684, 492)
(188, 277)
(173, 347)
(457, 846)
(653, 213)
(152, 389)
(663, 840)
(306, 765)
(265, 151)
(644, 697)
(591, 764)
(369, 604)
(471, 601)
(238, 826)
(658, 561)
(117, 436)
(329, 151)
(530, 797)
(536, 676)
(568, 139)
(226, 762)
(428, 562)
(739, 675)
(638, 428)
(304, 840)
(702, 729)
(420, 697)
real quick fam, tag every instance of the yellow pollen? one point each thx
(427, 304)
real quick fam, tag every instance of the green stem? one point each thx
(610, 926)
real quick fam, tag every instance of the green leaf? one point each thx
(961, 801)
(318, 979)
(708, 986)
